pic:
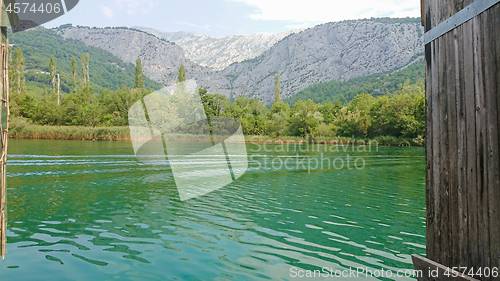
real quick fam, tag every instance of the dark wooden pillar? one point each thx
(462, 137)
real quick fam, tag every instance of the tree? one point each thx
(18, 87)
(182, 74)
(85, 59)
(58, 89)
(74, 73)
(53, 72)
(279, 118)
(277, 96)
(28, 106)
(213, 104)
(181, 88)
(400, 115)
(356, 120)
(305, 118)
(139, 76)
(18, 77)
(47, 113)
(89, 115)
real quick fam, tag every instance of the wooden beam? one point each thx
(433, 271)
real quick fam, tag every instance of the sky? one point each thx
(228, 17)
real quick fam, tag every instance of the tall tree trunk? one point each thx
(58, 89)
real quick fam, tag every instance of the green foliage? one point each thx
(395, 118)
(251, 112)
(139, 76)
(376, 85)
(17, 81)
(74, 74)
(81, 108)
(304, 118)
(277, 96)
(22, 128)
(400, 116)
(53, 72)
(386, 107)
(85, 60)
(105, 70)
(213, 104)
(182, 74)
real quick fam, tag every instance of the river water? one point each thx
(80, 210)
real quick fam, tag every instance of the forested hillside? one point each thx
(97, 90)
(105, 70)
(376, 85)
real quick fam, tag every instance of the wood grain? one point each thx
(463, 138)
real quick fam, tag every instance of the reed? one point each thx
(71, 133)
(20, 129)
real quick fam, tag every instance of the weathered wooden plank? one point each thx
(491, 72)
(481, 168)
(463, 138)
(439, 11)
(495, 228)
(429, 7)
(444, 192)
(433, 223)
(429, 151)
(433, 271)
(461, 147)
(452, 177)
(422, 12)
(470, 108)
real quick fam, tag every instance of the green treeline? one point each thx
(400, 115)
(105, 70)
(82, 106)
(376, 85)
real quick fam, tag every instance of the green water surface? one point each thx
(90, 211)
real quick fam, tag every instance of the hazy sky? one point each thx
(227, 17)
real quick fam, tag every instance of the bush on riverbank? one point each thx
(20, 128)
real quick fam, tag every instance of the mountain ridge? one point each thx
(220, 52)
(333, 51)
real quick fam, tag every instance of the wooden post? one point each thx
(4, 129)
(463, 136)
(422, 12)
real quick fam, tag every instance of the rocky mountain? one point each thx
(333, 51)
(218, 53)
(160, 58)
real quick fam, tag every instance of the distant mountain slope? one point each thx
(375, 85)
(219, 53)
(160, 58)
(333, 51)
(38, 45)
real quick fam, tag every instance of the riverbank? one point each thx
(20, 130)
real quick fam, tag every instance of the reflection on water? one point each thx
(91, 211)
